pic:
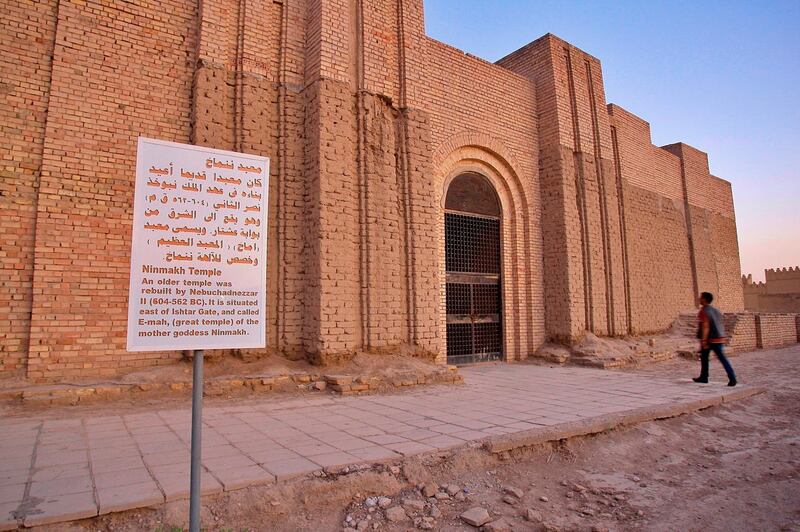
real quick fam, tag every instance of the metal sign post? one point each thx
(197, 427)
(198, 261)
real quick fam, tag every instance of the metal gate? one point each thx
(472, 257)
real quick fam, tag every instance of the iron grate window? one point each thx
(469, 343)
(487, 340)
(472, 253)
(458, 298)
(471, 244)
(486, 298)
(459, 342)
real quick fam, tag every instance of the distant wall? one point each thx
(783, 280)
(780, 292)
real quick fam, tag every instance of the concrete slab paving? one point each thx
(56, 474)
(56, 466)
(334, 459)
(114, 479)
(132, 495)
(375, 454)
(57, 509)
(237, 477)
(7, 519)
(12, 493)
(61, 486)
(290, 468)
(173, 481)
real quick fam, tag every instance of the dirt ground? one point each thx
(220, 366)
(384, 367)
(735, 467)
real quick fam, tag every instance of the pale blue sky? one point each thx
(723, 76)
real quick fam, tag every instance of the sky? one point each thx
(722, 76)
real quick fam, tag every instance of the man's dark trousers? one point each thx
(717, 348)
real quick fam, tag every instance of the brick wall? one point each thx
(369, 211)
(776, 330)
(583, 226)
(680, 227)
(247, 97)
(235, 103)
(562, 229)
(658, 257)
(118, 71)
(656, 240)
(742, 332)
(711, 224)
(334, 205)
(366, 120)
(621, 216)
(749, 331)
(483, 119)
(425, 218)
(27, 33)
(797, 324)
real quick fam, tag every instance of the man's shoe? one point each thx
(732, 382)
(701, 380)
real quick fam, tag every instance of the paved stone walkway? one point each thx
(71, 468)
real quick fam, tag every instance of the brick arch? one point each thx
(462, 154)
(482, 141)
(505, 181)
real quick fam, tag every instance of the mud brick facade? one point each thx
(776, 330)
(742, 332)
(749, 331)
(367, 122)
(797, 324)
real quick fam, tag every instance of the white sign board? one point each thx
(199, 249)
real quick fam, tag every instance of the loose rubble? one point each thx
(396, 514)
(414, 504)
(501, 525)
(508, 499)
(476, 516)
(430, 489)
(384, 502)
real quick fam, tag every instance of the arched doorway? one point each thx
(472, 270)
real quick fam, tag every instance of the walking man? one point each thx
(711, 333)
